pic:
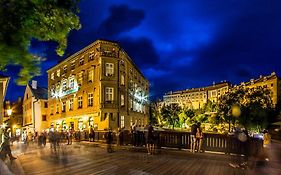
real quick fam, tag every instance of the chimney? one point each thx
(34, 84)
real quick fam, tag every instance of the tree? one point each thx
(186, 115)
(155, 113)
(24, 20)
(171, 113)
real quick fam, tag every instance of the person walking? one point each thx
(199, 139)
(5, 148)
(149, 139)
(192, 137)
(92, 134)
(109, 139)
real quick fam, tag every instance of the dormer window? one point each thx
(91, 56)
(65, 69)
(81, 61)
(72, 65)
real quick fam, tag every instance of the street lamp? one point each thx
(9, 112)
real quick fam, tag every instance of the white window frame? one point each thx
(71, 104)
(109, 69)
(122, 121)
(81, 61)
(122, 100)
(109, 94)
(71, 83)
(90, 99)
(91, 56)
(80, 102)
(64, 85)
(80, 78)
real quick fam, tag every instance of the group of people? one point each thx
(5, 149)
(196, 136)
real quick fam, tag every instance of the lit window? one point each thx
(58, 108)
(80, 102)
(71, 104)
(71, 83)
(90, 75)
(91, 56)
(63, 106)
(64, 85)
(122, 80)
(122, 100)
(81, 61)
(51, 109)
(80, 78)
(90, 99)
(65, 69)
(122, 121)
(108, 94)
(109, 69)
(58, 73)
(52, 76)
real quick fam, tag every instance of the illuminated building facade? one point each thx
(272, 82)
(99, 87)
(35, 107)
(195, 98)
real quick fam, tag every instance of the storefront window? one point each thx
(80, 124)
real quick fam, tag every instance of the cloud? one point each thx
(141, 50)
(121, 19)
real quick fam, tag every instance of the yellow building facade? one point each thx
(99, 87)
(195, 98)
(271, 82)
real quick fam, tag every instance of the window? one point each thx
(90, 99)
(91, 56)
(122, 79)
(71, 83)
(64, 85)
(71, 104)
(109, 69)
(81, 61)
(90, 75)
(271, 84)
(65, 69)
(108, 94)
(51, 109)
(122, 100)
(45, 104)
(52, 76)
(72, 67)
(80, 78)
(111, 117)
(80, 102)
(44, 118)
(104, 117)
(122, 121)
(58, 108)
(63, 106)
(58, 73)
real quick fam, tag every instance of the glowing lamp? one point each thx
(9, 112)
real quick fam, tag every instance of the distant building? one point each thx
(99, 87)
(195, 98)
(14, 117)
(35, 106)
(271, 82)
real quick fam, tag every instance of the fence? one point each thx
(182, 140)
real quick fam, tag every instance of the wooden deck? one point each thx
(81, 159)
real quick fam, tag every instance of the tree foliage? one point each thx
(24, 20)
(254, 106)
(170, 113)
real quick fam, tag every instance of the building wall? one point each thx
(103, 113)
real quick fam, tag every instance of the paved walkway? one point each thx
(92, 158)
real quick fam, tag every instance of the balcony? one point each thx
(109, 104)
(108, 53)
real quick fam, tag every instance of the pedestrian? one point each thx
(199, 139)
(44, 138)
(149, 139)
(118, 136)
(109, 139)
(92, 135)
(192, 137)
(5, 148)
(69, 137)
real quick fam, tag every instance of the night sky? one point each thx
(178, 44)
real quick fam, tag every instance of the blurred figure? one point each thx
(109, 139)
(5, 148)
(92, 134)
(69, 137)
(44, 138)
(118, 136)
(266, 144)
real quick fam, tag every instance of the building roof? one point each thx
(261, 79)
(207, 88)
(39, 92)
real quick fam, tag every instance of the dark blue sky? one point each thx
(179, 44)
